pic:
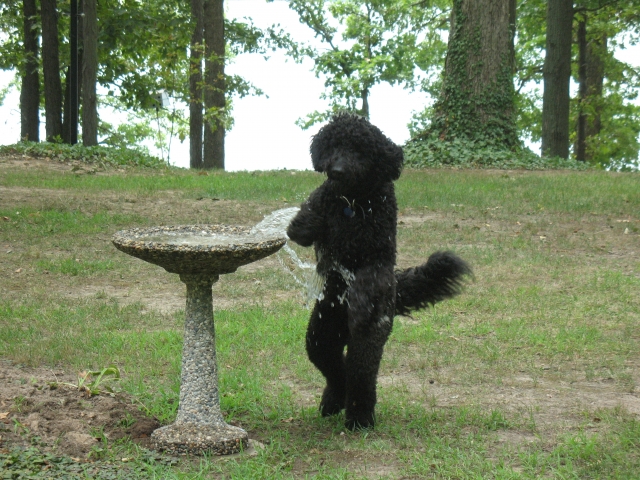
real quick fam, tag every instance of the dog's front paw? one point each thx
(360, 420)
(332, 402)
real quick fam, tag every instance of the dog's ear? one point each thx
(394, 160)
(320, 151)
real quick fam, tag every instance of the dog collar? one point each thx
(350, 209)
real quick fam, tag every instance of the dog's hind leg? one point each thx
(364, 353)
(327, 336)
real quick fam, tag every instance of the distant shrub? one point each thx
(105, 156)
(432, 152)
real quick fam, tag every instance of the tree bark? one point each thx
(477, 98)
(581, 137)
(557, 74)
(51, 69)
(30, 90)
(195, 85)
(592, 52)
(89, 73)
(364, 111)
(214, 88)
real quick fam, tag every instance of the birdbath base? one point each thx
(199, 253)
(197, 439)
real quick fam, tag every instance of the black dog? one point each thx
(351, 221)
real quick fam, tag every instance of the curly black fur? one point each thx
(351, 222)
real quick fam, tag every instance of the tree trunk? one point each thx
(557, 73)
(66, 107)
(51, 69)
(581, 137)
(214, 88)
(364, 111)
(89, 73)
(195, 85)
(30, 91)
(592, 53)
(477, 98)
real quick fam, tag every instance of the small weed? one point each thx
(19, 403)
(95, 382)
(127, 421)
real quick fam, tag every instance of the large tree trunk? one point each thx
(591, 54)
(30, 91)
(51, 69)
(476, 101)
(557, 73)
(89, 73)
(195, 85)
(214, 88)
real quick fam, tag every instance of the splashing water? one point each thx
(304, 273)
(275, 224)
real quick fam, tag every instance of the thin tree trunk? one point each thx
(195, 85)
(51, 69)
(557, 73)
(66, 107)
(89, 73)
(581, 137)
(214, 89)
(477, 98)
(596, 52)
(30, 91)
(364, 111)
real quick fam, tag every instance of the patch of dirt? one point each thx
(551, 405)
(36, 408)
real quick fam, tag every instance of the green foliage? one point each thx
(366, 43)
(616, 147)
(143, 49)
(103, 156)
(31, 463)
(429, 151)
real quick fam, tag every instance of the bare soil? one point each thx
(40, 406)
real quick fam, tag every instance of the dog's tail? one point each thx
(441, 277)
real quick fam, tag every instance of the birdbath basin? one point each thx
(199, 254)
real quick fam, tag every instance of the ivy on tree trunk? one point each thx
(477, 98)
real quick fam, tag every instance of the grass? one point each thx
(524, 376)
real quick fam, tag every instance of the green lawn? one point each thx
(531, 373)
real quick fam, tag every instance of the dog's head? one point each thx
(352, 151)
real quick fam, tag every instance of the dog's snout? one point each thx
(337, 168)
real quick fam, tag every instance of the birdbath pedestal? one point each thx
(199, 254)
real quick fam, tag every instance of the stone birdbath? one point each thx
(199, 254)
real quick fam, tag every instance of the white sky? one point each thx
(265, 136)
